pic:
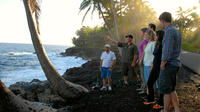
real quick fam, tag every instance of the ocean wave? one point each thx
(17, 53)
(28, 73)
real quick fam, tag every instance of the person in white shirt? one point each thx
(148, 53)
(107, 63)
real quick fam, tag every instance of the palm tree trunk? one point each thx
(62, 87)
(12, 103)
(116, 26)
(115, 20)
(106, 22)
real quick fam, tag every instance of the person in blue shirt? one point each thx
(170, 62)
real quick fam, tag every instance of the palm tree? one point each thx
(62, 87)
(12, 103)
(99, 4)
(96, 5)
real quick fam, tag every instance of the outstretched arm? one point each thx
(111, 40)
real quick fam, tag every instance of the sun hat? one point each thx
(107, 45)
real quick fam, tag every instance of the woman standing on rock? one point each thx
(148, 53)
(141, 51)
(155, 70)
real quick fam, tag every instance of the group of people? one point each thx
(157, 58)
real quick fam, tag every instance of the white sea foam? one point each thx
(28, 74)
(18, 62)
(17, 53)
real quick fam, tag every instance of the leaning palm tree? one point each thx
(12, 103)
(62, 87)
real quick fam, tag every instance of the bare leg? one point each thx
(175, 101)
(125, 79)
(104, 82)
(137, 77)
(109, 82)
(167, 101)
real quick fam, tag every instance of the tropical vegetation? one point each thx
(132, 15)
(120, 17)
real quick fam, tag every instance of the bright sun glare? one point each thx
(60, 19)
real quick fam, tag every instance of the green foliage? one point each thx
(132, 15)
(188, 23)
(135, 14)
(90, 37)
(192, 44)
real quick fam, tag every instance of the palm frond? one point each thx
(94, 8)
(86, 13)
(84, 4)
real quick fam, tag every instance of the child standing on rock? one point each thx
(107, 63)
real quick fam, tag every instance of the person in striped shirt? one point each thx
(170, 64)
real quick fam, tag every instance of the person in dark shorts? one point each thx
(170, 64)
(129, 56)
(155, 71)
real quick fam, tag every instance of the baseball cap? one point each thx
(107, 45)
(129, 36)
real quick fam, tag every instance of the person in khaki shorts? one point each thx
(129, 56)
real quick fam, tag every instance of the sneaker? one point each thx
(142, 92)
(162, 110)
(148, 103)
(156, 106)
(126, 84)
(144, 98)
(140, 89)
(103, 88)
(109, 88)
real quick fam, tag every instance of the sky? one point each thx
(60, 19)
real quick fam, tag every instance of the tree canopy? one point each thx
(132, 15)
(90, 37)
(188, 23)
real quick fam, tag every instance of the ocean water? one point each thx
(18, 62)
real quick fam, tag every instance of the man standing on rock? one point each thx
(170, 64)
(107, 63)
(129, 56)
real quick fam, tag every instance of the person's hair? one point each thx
(152, 34)
(159, 34)
(144, 29)
(166, 16)
(152, 26)
(129, 36)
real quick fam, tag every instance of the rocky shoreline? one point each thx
(86, 75)
(119, 100)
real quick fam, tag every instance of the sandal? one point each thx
(156, 106)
